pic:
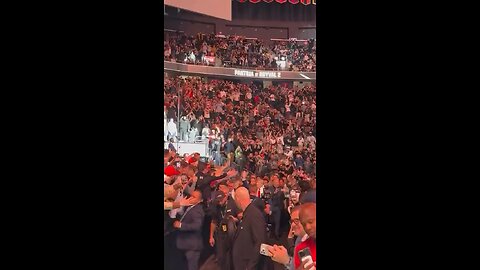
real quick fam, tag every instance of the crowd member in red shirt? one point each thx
(308, 218)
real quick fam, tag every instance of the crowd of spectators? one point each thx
(258, 129)
(206, 207)
(262, 153)
(236, 51)
(300, 57)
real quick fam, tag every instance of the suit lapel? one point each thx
(239, 228)
(186, 211)
(241, 223)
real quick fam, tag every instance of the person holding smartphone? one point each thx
(284, 255)
(305, 255)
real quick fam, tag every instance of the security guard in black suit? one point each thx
(222, 228)
(251, 233)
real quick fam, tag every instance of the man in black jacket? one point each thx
(220, 229)
(277, 205)
(231, 205)
(251, 233)
(258, 202)
(205, 178)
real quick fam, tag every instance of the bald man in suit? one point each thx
(251, 233)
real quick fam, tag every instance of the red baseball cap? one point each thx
(170, 171)
(192, 160)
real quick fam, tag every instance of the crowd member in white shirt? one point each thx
(248, 95)
(300, 141)
(280, 139)
(236, 96)
(311, 139)
(205, 132)
(192, 135)
(289, 152)
(165, 128)
(172, 130)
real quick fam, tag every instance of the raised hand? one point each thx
(186, 202)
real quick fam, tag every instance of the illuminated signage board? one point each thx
(294, 2)
(257, 74)
(239, 73)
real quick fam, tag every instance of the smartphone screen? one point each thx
(304, 252)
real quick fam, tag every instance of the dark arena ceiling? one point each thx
(267, 11)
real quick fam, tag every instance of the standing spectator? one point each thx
(308, 194)
(260, 187)
(258, 202)
(308, 218)
(184, 127)
(216, 154)
(172, 129)
(229, 148)
(299, 163)
(277, 205)
(165, 128)
(205, 179)
(192, 136)
(199, 125)
(309, 167)
(296, 236)
(171, 147)
(205, 131)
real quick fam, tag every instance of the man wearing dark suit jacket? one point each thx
(251, 233)
(258, 202)
(189, 238)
